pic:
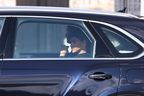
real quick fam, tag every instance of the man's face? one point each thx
(76, 44)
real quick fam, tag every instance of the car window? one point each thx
(1, 24)
(50, 38)
(118, 43)
(121, 44)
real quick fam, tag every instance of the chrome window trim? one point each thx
(40, 59)
(94, 46)
(107, 24)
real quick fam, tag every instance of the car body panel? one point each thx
(132, 79)
(99, 76)
(72, 74)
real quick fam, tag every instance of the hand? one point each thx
(64, 51)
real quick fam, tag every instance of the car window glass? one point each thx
(121, 44)
(49, 38)
(1, 24)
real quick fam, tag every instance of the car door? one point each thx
(32, 65)
(129, 54)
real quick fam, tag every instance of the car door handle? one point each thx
(99, 76)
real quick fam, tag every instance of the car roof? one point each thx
(64, 10)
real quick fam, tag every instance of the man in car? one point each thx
(78, 43)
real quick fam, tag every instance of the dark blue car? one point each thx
(40, 55)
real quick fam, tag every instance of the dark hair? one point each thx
(73, 31)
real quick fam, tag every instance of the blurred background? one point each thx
(135, 7)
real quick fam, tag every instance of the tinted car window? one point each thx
(45, 38)
(118, 43)
(121, 44)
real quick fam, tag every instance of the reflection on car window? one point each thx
(1, 24)
(122, 45)
(47, 38)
